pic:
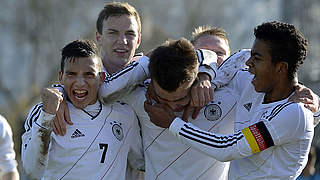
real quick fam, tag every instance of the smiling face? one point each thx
(176, 100)
(81, 79)
(264, 70)
(215, 44)
(119, 40)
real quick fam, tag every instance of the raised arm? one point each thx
(123, 82)
(229, 68)
(36, 139)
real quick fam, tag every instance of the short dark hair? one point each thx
(117, 9)
(286, 44)
(79, 48)
(173, 63)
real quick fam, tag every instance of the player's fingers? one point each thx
(186, 113)
(152, 93)
(202, 95)
(311, 107)
(194, 97)
(211, 91)
(147, 106)
(61, 125)
(207, 98)
(196, 112)
(67, 116)
(55, 130)
(298, 87)
(148, 98)
(55, 126)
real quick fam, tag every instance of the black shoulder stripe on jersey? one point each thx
(279, 108)
(210, 137)
(265, 134)
(34, 112)
(200, 56)
(316, 115)
(210, 144)
(57, 85)
(274, 109)
(214, 85)
(138, 54)
(185, 126)
(120, 73)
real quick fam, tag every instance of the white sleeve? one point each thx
(123, 82)
(221, 147)
(228, 69)
(288, 120)
(207, 62)
(273, 129)
(36, 141)
(7, 154)
(239, 83)
(316, 115)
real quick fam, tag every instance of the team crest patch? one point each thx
(212, 112)
(117, 130)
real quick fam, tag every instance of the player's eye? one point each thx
(70, 73)
(220, 53)
(89, 74)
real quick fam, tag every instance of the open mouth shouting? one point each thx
(79, 94)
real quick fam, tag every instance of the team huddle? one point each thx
(186, 110)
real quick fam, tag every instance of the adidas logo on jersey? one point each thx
(77, 134)
(247, 106)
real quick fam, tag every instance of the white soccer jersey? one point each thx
(7, 154)
(94, 147)
(165, 157)
(271, 141)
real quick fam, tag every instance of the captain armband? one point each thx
(258, 137)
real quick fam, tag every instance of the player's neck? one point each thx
(280, 91)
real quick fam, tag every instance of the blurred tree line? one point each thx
(34, 31)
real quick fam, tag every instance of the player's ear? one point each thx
(60, 77)
(99, 38)
(139, 40)
(102, 76)
(282, 67)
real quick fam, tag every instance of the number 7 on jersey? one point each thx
(105, 148)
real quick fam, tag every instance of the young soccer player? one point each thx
(272, 135)
(102, 137)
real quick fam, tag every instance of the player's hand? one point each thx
(160, 114)
(62, 116)
(51, 99)
(201, 95)
(306, 96)
(150, 94)
(201, 91)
